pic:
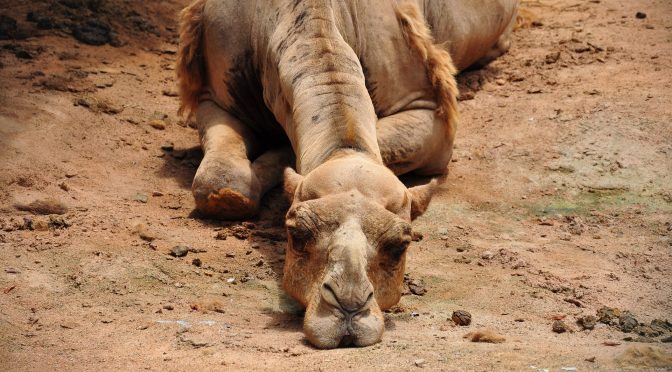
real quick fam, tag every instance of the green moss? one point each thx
(589, 200)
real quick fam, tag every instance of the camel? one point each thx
(336, 98)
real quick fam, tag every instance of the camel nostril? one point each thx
(369, 298)
(329, 295)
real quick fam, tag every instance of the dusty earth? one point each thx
(559, 202)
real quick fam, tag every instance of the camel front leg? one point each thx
(228, 184)
(415, 141)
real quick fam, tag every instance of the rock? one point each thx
(420, 363)
(168, 307)
(43, 207)
(590, 360)
(221, 235)
(587, 322)
(647, 331)
(95, 32)
(170, 93)
(417, 287)
(608, 315)
(58, 222)
(196, 262)
(179, 251)
(466, 96)
(98, 105)
(574, 302)
(461, 317)
(143, 232)
(581, 48)
(487, 255)
(640, 15)
(560, 327)
(663, 325)
(667, 339)
(8, 27)
(552, 57)
(193, 341)
(168, 147)
(627, 322)
(240, 232)
(519, 264)
(639, 339)
(157, 124)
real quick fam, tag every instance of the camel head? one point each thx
(349, 226)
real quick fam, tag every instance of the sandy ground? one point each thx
(559, 202)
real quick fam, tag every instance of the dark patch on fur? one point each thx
(300, 20)
(244, 87)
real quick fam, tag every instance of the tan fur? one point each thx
(190, 69)
(484, 335)
(46, 206)
(440, 68)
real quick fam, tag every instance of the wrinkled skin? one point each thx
(336, 90)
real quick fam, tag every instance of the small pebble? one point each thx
(627, 322)
(179, 251)
(640, 15)
(461, 317)
(560, 327)
(587, 322)
(157, 124)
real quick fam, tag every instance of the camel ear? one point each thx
(291, 183)
(420, 197)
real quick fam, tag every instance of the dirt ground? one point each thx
(559, 202)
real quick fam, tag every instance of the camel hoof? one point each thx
(226, 204)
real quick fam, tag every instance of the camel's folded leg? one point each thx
(227, 184)
(415, 141)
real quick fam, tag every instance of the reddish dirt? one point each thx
(558, 203)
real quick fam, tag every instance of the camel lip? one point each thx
(346, 332)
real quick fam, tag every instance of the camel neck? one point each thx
(323, 84)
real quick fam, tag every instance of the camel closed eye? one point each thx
(397, 247)
(299, 235)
